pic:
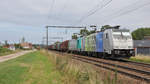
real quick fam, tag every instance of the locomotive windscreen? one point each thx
(121, 33)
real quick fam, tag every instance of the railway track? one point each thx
(137, 73)
(138, 63)
(132, 62)
(134, 73)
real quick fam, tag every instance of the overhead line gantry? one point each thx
(80, 27)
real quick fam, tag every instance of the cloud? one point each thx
(20, 15)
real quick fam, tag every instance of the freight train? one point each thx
(111, 43)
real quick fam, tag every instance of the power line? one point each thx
(51, 9)
(128, 9)
(95, 9)
(66, 26)
(64, 6)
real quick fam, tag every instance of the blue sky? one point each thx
(27, 18)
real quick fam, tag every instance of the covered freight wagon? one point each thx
(54, 46)
(58, 46)
(72, 45)
(64, 45)
(50, 47)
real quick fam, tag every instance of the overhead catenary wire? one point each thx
(123, 11)
(51, 9)
(97, 6)
(64, 7)
(101, 5)
(49, 15)
(126, 10)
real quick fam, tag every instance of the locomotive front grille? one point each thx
(123, 51)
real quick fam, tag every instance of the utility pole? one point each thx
(47, 37)
(43, 44)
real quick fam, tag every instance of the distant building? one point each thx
(22, 40)
(142, 46)
(12, 47)
(5, 46)
(26, 45)
(146, 37)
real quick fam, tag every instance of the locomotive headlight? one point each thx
(129, 47)
(116, 46)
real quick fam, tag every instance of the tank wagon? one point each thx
(111, 43)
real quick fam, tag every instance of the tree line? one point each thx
(140, 33)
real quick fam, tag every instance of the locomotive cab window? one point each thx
(106, 35)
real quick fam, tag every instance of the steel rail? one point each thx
(124, 67)
(112, 69)
(133, 62)
(138, 63)
(98, 64)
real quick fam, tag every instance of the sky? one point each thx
(28, 18)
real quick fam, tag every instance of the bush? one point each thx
(141, 58)
(4, 51)
(74, 72)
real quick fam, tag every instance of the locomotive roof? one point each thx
(120, 30)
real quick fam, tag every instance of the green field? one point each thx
(42, 68)
(32, 68)
(5, 51)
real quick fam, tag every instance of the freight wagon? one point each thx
(64, 46)
(72, 45)
(58, 46)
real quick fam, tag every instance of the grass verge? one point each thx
(76, 72)
(5, 51)
(141, 58)
(32, 68)
(42, 68)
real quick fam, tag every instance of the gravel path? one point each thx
(15, 55)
